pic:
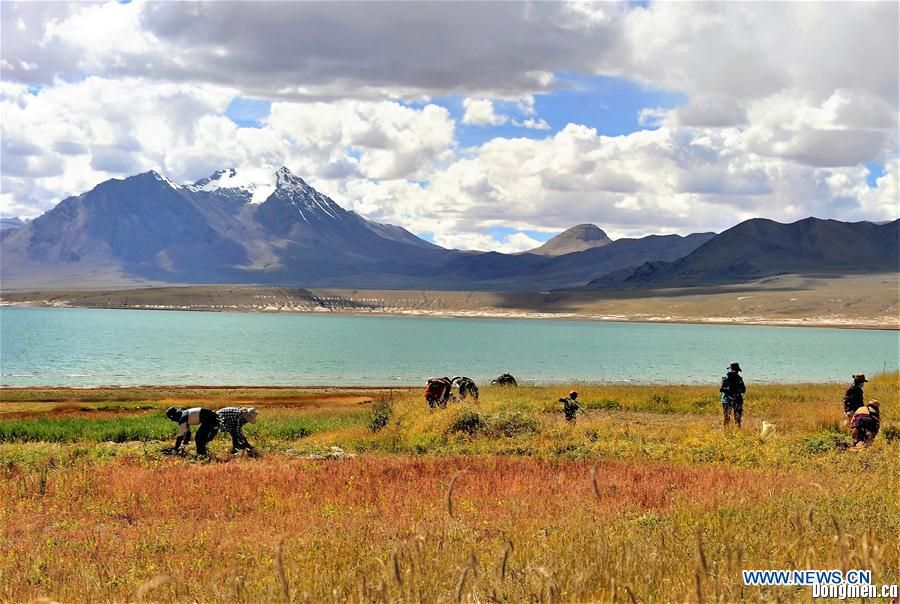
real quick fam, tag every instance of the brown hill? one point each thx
(577, 239)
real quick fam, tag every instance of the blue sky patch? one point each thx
(501, 233)
(608, 104)
(876, 171)
(247, 112)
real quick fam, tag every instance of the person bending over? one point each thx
(232, 420)
(864, 424)
(206, 420)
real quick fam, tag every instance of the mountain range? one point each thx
(760, 248)
(272, 228)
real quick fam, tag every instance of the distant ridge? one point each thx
(760, 247)
(11, 223)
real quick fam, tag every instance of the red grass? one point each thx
(100, 534)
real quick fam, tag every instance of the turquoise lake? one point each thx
(82, 347)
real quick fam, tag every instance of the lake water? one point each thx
(82, 347)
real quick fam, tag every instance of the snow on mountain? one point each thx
(257, 184)
(162, 178)
(293, 190)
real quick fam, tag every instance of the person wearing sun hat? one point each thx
(732, 390)
(853, 398)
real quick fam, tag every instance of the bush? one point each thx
(469, 423)
(825, 442)
(513, 423)
(381, 414)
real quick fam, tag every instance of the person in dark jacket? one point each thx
(732, 390)
(505, 379)
(232, 420)
(853, 398)
(206, 420)
(571, 406)
(864, 424)
(467, 387)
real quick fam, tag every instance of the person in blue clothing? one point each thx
(207, 423)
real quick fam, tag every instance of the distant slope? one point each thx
(577, 239)
(495, 271)
(11, 223)
(8, 225)
(758, 248)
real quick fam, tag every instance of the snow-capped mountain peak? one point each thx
(294, 191)
(255, 184)
(162, 178)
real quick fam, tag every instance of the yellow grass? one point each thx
(644, 500)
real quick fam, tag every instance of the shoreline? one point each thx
(489, 314)
(333, 388)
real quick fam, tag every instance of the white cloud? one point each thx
(65, 139)
(667, 180)
(776, 124)
(518, 242)
(533, 124)
(480, 112)
(393, 141)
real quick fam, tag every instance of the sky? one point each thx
(478, 125)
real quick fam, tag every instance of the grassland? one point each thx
(644, 499)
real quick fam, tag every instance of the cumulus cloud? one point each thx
(732, 50)
(480, 112)
(785, 104)
(65, 139)
(315, 50)
(665, 180)
(393, 141)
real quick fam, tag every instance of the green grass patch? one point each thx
(60, 430)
